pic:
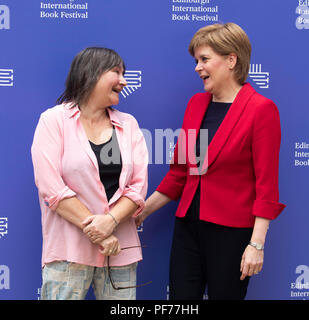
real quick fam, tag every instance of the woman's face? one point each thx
(215, 70)
(107, 89)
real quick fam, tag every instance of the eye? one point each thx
(116, 70)
(204, 59)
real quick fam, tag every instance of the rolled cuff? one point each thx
(137, 199)
(53, 201)
(267, 209)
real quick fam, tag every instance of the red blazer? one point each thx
(241, 180)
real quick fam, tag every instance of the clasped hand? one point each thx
(99, 229)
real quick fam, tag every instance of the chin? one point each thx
(208, 89)
(114, 101)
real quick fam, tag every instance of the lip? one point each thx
(117, 90)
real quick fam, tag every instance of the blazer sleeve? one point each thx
(46, 157)
(265, 150)
(174, 181)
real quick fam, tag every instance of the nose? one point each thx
(123, 81)
(198, 67)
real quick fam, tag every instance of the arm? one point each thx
(156, 201)
(174, 181)
(99, 227)
(265, 150)
(172, 185)
(253, 259)
(46, 156)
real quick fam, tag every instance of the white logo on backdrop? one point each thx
(260, 78)
(6, 77)
(4, 277)
(4, 17)
(300, 288)
(302, 21)
(302, 281)
(134, 80)
(3, 226)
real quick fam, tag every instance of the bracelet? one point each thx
(257, 246)
(113, 218)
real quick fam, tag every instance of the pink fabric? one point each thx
(65, 166)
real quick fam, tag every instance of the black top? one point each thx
(213, 118)
(110, 164)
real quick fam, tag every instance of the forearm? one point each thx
(155, 202)
(260, 230)
(123, 209)
(74, 211)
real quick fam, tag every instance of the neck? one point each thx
(93, 113)
(228, 94)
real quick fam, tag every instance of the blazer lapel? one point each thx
(228, 123)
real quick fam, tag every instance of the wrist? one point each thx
(257, 245)
(116, 222)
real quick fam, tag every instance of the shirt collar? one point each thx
(113, 115)
(74, 110)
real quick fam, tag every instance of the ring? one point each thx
(256, 272)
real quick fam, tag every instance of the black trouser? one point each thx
(203, 254)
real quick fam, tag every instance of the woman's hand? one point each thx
(98, 227)
(251, 262)
(140, 219)
(110, 246)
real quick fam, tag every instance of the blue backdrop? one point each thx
(38, 42)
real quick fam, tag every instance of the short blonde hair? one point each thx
(225, 39)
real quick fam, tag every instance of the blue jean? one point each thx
(64, 280)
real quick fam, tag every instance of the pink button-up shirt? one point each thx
(65, 166)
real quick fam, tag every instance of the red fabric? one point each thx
(241, 180)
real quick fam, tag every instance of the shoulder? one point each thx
(53, 117)
(262, 104)
(53, 112)
(197, 100)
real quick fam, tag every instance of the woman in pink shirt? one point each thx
(90, 166)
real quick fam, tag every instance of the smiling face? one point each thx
(107, 89)
(215, 70)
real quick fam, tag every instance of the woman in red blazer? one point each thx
(225, 208)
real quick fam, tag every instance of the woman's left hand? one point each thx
(251, 262)
(98, 227)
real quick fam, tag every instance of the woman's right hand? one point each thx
(140, 219)
(110, 246)
(156, 201)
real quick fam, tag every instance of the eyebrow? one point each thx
(202, 56)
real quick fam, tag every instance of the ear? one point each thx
(232, 59)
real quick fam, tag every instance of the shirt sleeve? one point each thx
(265, 150)
(46, 150)
(136, 188)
